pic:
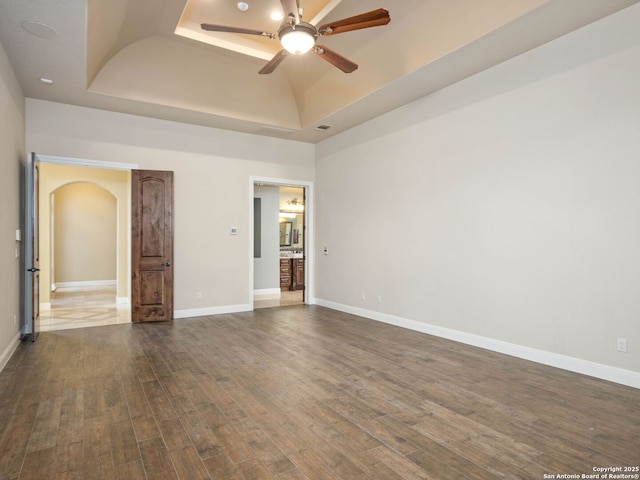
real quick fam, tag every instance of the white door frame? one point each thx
(309, 296)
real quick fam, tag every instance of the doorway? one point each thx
(82, 232)
(281, 219)
(81, 286)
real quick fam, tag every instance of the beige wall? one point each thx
(212, 186)
(53, 180)
(503, 210)
(12, 156)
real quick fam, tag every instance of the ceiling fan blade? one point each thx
(274, 62)
(335, 59)
(374, 18)
(223, 28)
(353, 26)
(291, 9)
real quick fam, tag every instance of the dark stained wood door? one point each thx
(151, 245)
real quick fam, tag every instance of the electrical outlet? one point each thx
(326, 250)
(363, 296)
(379, 299)
(622, 345)
(15, 319)
(199, 295)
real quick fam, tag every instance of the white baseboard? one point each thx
(87, 283)
(201, 312)
(6, 355)
(565, 362)
(123, 301)
(45, 307)
(267, 294)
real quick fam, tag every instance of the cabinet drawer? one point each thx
(285, 273)
(285, 264)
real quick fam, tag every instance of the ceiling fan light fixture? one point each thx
(297, 40)
(298, 37)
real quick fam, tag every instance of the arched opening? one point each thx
(83, 260)
(84, 236)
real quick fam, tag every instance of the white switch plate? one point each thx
(18, 235)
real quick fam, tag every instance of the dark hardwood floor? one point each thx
(300, 392)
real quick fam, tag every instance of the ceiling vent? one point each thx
(323, 127)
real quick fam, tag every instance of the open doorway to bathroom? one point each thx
(280, 244)
(291, 245)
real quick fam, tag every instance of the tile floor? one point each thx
(286, 298)
(83, 307)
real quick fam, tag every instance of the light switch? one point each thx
(234, 231)
(18, 235)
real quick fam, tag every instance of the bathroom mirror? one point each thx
(285, 234)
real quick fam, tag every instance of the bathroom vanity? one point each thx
(292, 273)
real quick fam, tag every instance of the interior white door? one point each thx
(32, 254)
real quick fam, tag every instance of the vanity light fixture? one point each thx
(295, 206)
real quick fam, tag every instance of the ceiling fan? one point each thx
(298, 37)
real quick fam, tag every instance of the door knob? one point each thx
(167, 264)
(33, 270)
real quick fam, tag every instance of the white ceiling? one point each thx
(125, 56)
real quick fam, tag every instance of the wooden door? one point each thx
(151, 245)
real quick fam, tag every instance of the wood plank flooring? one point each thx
(299, 393)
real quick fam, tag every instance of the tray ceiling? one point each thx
(150, 58)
